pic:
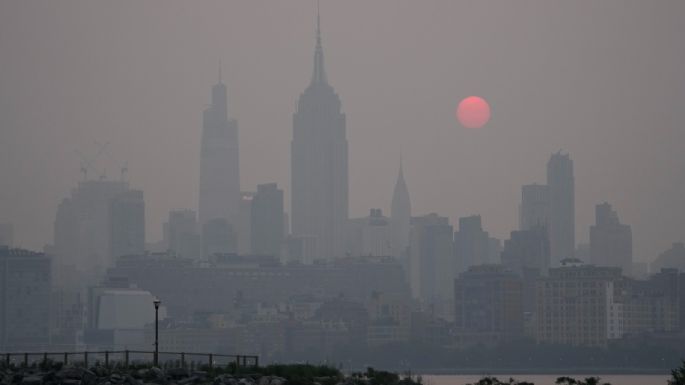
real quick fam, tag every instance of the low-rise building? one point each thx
(576, 305)
(488, 305)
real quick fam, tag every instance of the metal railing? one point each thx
(129, 357)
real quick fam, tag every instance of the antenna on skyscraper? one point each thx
(87, 161)
(124, 171)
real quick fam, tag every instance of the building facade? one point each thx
(127, 224)
(611, 242)
(488, 305)
(25, 297)
(527, 250)
(319, 168)
(534, 208)
(562, 222)
(267, 221)
(219, 162)
(577, 306)
(432, 265)
(400, 218)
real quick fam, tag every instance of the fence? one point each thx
(129, 357)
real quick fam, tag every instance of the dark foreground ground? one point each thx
(56, 374)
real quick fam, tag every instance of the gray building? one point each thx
(127, 224)
(218, 237)
(218, 285)
(488, 305)
(267, 220)
(319, 168)
(219, 162)
(471, 243)
(534, 208)
(6, 234)
(83, 227)
(243, 228)
(671, 258)
(527, 250)
(611, 242)
(562, 222)
(400, 218)
(432, 266)
(182, 235)
(370, 235)
(25, 282)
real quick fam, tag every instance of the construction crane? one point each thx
(88, 161)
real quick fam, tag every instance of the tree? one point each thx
(573, 381)
(678, 375)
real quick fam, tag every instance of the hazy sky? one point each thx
(603, 80)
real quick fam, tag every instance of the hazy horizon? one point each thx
(599, 80)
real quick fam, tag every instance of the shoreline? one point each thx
(537, 371)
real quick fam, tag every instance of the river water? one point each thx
(548, 379)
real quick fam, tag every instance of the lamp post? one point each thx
(156, 358)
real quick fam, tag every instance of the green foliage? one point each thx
(678, 375)
(573, 381)
(495, 381)
(382, 377)
(302, 374)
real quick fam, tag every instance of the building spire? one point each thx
(319, 73)
(401, 173)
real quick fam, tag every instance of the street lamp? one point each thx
(156, 302)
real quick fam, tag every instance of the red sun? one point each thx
(473, 112)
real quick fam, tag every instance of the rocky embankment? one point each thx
(281, 375)
(156, 376)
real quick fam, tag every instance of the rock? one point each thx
(70, 381)
(277, 381)
(200, 373)
(130, 380)
(141, 373)
(32, 380)
(177, 373)
(156, 372)
(16, 378)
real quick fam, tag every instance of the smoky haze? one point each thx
(602, 81)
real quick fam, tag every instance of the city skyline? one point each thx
(443, 165)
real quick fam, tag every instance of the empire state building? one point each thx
(319, 163)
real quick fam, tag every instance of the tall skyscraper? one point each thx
(243, 229)
(432, 264)
(400, 217)
(527, 250)
(534, 209)
(126, 224)
(219, 163)
(182, 234)
(218, 237)
(82, 227)
(25, 285)
(562, 212)
(267, 220)
(471, 243)
(319, 163)
(611, 242)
